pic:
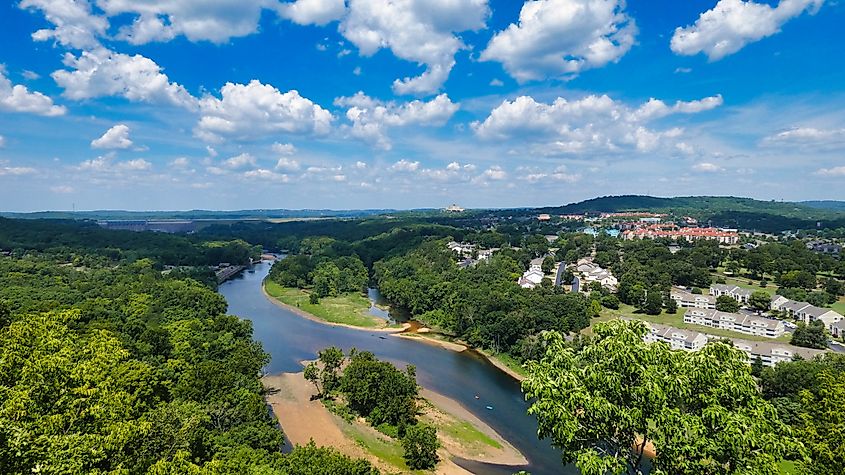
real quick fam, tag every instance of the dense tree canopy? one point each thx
(702, 411)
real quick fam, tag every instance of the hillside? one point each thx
(725, 211)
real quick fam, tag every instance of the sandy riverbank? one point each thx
(314, 318)
(303, 420)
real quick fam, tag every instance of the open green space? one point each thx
(348, 309)
(677, 320)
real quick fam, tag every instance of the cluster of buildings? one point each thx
(672, 231)
(586, 272)
(702, 311)
(807, 313)
(769, 353)
(469, 254)
(824, 247)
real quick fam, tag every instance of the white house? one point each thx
(807, 313)
(771, 354)
(748, 324)
(590, 272)
(838, 329)
(531, 278)
(676, 338)
(690, 300)
(735, 292)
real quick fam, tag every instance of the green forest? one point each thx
(107, 365)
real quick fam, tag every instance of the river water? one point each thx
(290, 339)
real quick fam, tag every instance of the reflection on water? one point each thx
(379, 307)
(461, 376)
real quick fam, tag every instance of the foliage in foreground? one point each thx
(702, 411)
(124, 370)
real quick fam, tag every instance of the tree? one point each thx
(757, 367)
(726, 303)
(548, 264)
(420, 444)
(760, 300)
(604, 403)
(610, 301)
(5, 315)
(312, 374)
(653, 302)
(331, 359)
(671, 306)
(326, 279)
(823, 430)
(813, 335)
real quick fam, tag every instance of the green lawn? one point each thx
(839, 306)
(349, 309)
(677, 321)
(746, 283)
(383, 447)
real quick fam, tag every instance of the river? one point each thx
(461, 376)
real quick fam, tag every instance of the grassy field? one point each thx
(677, 320)
(839, 306)
(348, 309)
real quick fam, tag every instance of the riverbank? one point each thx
(355, 319)
(461, 433)
(423, 334)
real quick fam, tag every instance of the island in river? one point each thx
(461, 434)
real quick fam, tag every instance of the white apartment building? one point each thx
(688, 299)
(741, 323)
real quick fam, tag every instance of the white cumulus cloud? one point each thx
(370, 117)
(591, 123)
(17, 98)
(561, 38)
(809, 136)
(312, 12)
(239, 161)
(75, 25)
(405, 166)
(707, 167)
(421, 31)
(732, 24)
(101, 72)
(246, 111)
(116, 137)
(832, 172)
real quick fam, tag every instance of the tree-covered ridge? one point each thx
(86, 240)
(120, 369)
(724, 211)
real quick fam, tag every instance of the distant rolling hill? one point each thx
(723, 211)
(825, 204)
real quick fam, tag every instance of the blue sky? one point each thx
(225, 104)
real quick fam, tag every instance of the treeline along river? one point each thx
(461, 376)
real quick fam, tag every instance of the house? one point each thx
(688, 299)
(453, 208)
(737, 293)
(590, 272)
(738, 322)
(777, 302)
(536, 264)
(838, 329)
(771, 354)
(544, 217)
(531, 278)
(676, 338)
(807, 313)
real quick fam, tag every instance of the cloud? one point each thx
(75, 25)
(495, 172)
(561, 38)
(107, 164)
(62, 189)
(589, 124)
(116, 137)
(247, 111)
(558, 175)
(30, 75)
(101, 73)
(405, 166)
(18, 98)
(360, 165)
(239, 161)
(312, 12)
(370, 117)
(216, 21)
(807, 136)
(180, 163)
(831, 172)
(284, 148)
(287, 164)
(15, 171)
(496, 82)
(707, 167)
(732, 24)
(268, 175)
(421, 31)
